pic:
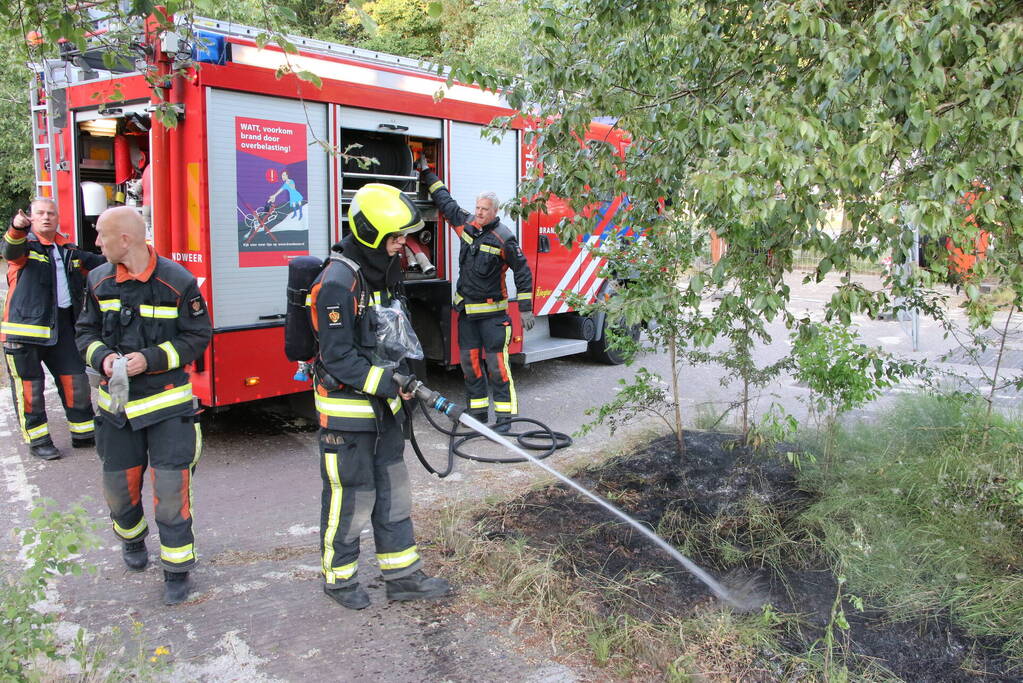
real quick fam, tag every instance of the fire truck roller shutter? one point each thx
(391, 152)
(251, 244)
(478, 164)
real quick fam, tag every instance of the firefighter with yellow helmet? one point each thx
(361, 441)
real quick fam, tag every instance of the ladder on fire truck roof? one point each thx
(323, 47)
(42, 141)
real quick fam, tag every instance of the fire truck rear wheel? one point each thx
(602, 352)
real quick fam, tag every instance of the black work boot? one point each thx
(352, 597)
(176, 586)
(480, 415)
(135, 554)
(45, 451)
(417, 586)
(503, 424)
(84, 442)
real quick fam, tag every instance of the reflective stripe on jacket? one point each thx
(30, 310)
(357, 392)
(165, 319)
(485, 255)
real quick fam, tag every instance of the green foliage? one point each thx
(775, 427)
(921, 512)
(645, 396)
(483, 35)
(16, 185)
(53, 544)
(841, 372)
(836, 628)
(104, 659)
(402, 27)
(759, 120)
(767, 115)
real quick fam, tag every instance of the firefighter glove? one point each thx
(117, 387)
(528, 320)
(422, 164)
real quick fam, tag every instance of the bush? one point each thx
(920, 511)
(52, 544)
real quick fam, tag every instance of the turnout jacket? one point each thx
(30, 312)
(351, 392)
(159, 313)
(486, 253)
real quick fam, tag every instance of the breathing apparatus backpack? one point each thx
(299, 340)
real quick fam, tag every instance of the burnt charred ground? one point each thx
(740, 514)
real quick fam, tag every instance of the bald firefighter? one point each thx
(144, 321)
(361, 440)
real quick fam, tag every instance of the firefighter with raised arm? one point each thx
(144, 321)
(359, 404)
(46, 281)
(488, 248)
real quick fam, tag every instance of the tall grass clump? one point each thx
(921, 511)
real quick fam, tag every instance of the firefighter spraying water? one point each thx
(740, 600)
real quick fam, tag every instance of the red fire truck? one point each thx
(249, 178)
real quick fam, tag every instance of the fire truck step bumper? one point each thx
(544, 348)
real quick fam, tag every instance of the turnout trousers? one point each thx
(489, 337)
(170, 449)
(25, 367)
(365, 481)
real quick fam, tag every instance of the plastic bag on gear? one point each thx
(117, 387)
(396, 340)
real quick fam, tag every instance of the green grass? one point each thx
(923, 510)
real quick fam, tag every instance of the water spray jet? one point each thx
(743, 600)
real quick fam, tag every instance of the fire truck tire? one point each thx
(602, 352)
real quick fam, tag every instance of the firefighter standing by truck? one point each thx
(361, 440)
(144, 320)
(46, 282)
(487, 249)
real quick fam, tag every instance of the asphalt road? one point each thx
(257, 612)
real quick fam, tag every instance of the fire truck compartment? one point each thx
(388, 157)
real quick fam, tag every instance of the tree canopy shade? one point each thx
(758, 120)
(759, 117)
(400, 26)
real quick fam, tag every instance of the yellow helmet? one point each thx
(379, 210)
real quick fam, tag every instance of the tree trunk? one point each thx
(994, 377)
(676, 398)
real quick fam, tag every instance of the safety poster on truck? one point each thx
(272, 190)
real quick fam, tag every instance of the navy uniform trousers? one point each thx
(25, 367)
(170, 449)
(490, 336)
(365, 481)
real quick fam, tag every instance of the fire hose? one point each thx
(429, 398)
(542, 439)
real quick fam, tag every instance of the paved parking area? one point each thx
(258, 614)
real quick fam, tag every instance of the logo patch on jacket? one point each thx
(334, 316)
(196, 307)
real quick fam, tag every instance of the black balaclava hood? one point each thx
(380, 270)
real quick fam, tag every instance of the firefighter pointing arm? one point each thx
(488, 248)
(46, 277)
(20, 221)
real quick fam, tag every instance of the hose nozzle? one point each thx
(410, 384)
